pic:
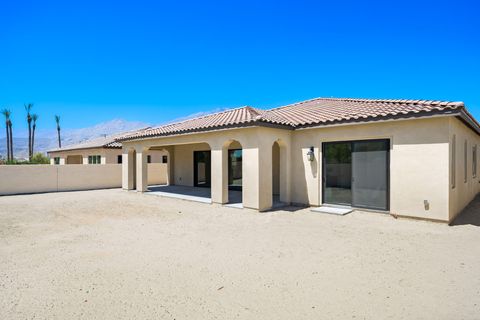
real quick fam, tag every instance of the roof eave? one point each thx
(256, 123)
(83, 148)
(407, 116)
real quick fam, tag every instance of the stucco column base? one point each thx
(142, 169)
(257, 177)
(128, 169)
(219, 177)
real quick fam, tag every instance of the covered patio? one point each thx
(233, 169)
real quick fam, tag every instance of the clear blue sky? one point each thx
(92, 61)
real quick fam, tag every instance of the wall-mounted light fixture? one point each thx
(311, 154)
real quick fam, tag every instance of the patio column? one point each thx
(257, 176)
(219, 180)
(142, 167)
(128, 169)
(170, 163)
(285, 173)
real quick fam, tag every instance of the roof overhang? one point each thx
(250, 124)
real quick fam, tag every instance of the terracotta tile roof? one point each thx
(229, 117)
(329, 110)
(320, 111)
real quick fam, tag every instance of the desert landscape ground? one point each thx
(110, 254)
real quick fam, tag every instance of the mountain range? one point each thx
(47, 139)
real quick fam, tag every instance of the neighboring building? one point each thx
(103, 150)
(413, 158)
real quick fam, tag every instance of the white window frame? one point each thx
(465, 164)
(474, 161)
(95, 159)
(453, 161)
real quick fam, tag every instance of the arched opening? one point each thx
(234, 153)
(280, 183)
(157, 164)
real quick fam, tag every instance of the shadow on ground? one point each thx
(470, 215)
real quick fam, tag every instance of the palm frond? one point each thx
(6, 113)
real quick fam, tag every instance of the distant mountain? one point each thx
(47, 139)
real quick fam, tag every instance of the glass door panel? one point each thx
(235, 169)
(370, 174)
(337, 173)
(201, 169)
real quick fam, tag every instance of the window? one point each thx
(465, 156)
(119, 159)
(164, 159)
(56, 160)
(452, 169)
(474, 161)
(94, 159)
(149, 159)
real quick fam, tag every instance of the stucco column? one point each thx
(285, 173)
(219, 177)
(170, 165)
(128, 169)
(257, 177)
(85, 159)
(142, 169)
(62, 161)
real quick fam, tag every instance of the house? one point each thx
(102, 150)
(412, 158)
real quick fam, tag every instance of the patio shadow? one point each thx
(470, 215)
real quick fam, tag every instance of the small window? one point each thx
(474, 161)
(119, 159)
(149, 159)
(465, 156)
(94, 159)
(164, 159)
(56, 160)
(453, 160)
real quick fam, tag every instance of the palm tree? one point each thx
(11, 138)
(34, 119)
(28, 108)
(57, 120)
(7, 113)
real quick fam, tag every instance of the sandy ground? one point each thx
(116, 255)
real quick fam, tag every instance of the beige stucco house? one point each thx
(102, 150)
(413, 158)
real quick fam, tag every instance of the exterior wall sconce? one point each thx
(311, 154)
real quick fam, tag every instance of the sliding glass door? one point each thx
(337, 173)
(356, 173)
(235, 169)
(201, 169)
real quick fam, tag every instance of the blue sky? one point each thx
(151, 61)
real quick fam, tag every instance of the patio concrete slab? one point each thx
(181, 192)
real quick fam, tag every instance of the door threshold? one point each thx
(335, 210)
(355, 208)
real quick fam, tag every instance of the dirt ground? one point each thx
(112, 254)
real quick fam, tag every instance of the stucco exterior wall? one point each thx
(183, 162)
(24, 179)
(18, 179)
(418, 163)
(464, 191)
